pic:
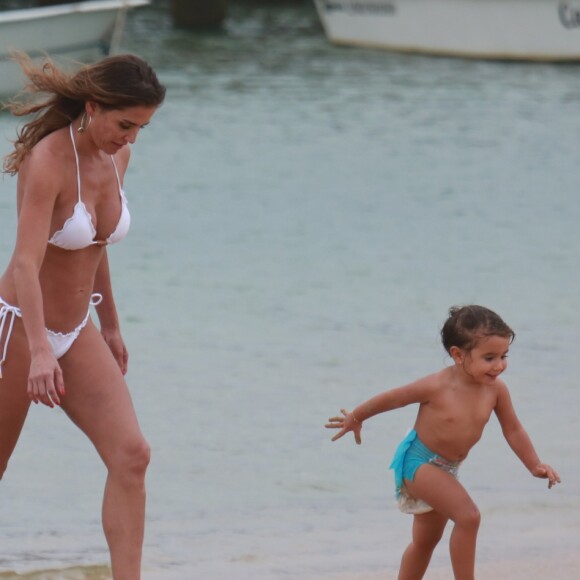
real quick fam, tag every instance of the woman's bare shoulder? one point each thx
(57, 143)
(54, 148)
(47, 164)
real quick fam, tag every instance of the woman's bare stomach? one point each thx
(66, 284)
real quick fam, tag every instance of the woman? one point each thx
(70, 160)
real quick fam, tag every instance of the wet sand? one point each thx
(72, 573)
(565, 566)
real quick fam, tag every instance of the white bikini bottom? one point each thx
(60, 342)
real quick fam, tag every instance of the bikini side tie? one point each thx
(5, 311)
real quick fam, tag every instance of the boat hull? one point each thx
(544, 30)
(69, 33)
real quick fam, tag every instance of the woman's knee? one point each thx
(131, 459)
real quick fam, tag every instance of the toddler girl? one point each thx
(454, 407)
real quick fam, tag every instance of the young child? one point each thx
(454, 406)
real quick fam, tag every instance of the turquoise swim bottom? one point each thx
(409, 456)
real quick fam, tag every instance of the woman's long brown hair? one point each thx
(56, 98)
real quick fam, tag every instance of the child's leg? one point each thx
(449, 498)
(427, 531)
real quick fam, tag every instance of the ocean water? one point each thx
(303, 217)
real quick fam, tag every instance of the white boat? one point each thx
(77, 31)
(542, 30)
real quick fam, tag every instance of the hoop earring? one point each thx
(82, 127)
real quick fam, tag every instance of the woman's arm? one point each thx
(39, 185)
(107, 312)
(519, 440)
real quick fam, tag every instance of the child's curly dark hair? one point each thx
(467, 324)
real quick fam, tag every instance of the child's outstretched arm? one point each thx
(417, 392)
(347, 423)
(520, 441)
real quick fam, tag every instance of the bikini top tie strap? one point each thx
(72, 138)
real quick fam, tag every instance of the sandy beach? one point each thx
(565, 566)
(72, 573)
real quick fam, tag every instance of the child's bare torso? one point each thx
(452, 420)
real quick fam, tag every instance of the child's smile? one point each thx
(488, 359)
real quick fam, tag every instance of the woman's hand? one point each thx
(545, 471)
(117, 345)
(45, 382)
(346, 423)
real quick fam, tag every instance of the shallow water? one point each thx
(303, 217)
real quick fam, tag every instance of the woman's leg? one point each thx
(14, 400)
(427, 531)
(450, 499)
(98, 401)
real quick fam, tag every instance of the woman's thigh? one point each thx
(14, 400)
(97, 398)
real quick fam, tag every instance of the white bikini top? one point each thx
(78, 231)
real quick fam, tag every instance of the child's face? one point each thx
(487, 359)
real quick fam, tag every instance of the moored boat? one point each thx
(543, 30)
(73, 32)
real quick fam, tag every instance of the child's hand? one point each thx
(545, 471)
(345, 424)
